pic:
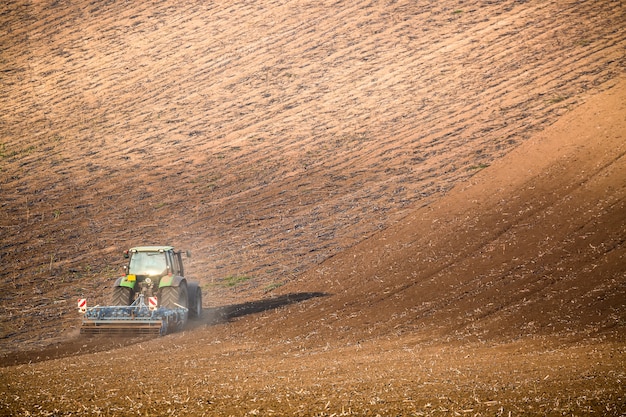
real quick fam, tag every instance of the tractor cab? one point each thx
(151, 268)
(154, 262)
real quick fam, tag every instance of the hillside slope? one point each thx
(504, 297)
(420, 205)
(532, 245)
(264, 137)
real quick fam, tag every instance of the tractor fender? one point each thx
(171, 281)
(125, 282)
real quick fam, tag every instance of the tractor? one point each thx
(153, 296)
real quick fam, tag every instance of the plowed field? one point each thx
(394, 208)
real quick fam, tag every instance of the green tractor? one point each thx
(153, 296)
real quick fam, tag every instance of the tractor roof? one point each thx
(151, 248)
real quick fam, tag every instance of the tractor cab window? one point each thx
(150, 264)
(175, 264)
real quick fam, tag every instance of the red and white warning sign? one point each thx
(152, 303)
(82, 305)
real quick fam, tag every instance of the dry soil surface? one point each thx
(395, 208)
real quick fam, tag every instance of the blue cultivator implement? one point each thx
(136, 319)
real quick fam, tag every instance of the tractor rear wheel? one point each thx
(174, 297)
(122, 296)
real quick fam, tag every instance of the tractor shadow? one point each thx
(224, 314)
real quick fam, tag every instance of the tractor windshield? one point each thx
(148, 263)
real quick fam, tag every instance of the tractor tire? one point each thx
(195, 301)
(122, 296)
(174, 297)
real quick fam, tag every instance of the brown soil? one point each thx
(394, 208)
